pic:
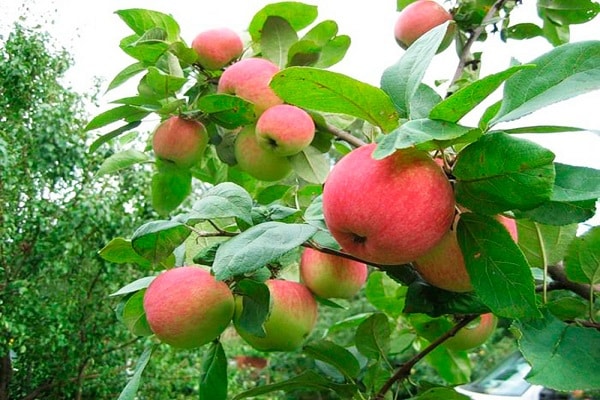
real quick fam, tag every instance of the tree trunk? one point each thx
(5, 376)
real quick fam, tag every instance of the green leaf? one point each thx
(575, 183)
(213, 375)
(498, 269)
(276, 39)
(297, 14)
(304, 381)
(162, 83)
(426, 299)
(561, 213)
(156, 240)
(134, 286)
(525, 30)
(170, 187)
(333, 51)
(544, 129)
(120, 251)
(256, 303)
(402, 80)
(582, 262)
(125, 74)
(418, 131)
(539, 242)
(227, 110)
(565, 72)
(113, 134)
(122, 160)
(424, 100)
(440, 393)
(563, 357)
(327, 91)
(456, 106)
(335, 355)
(258, 246)
(322, 32)
(130, 390)
(567, 12)
(303, 53)
(500, 172)
(385, 294)
(311, 165)
(453, 366)
(149, 53)
(373, 337)
(555, 34)
(126, 113)
(226, 200)
(134, 316)
(140, 21)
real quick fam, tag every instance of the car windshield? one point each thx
(508, 379)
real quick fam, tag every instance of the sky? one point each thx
(91, 31)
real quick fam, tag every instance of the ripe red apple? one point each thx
(186, 307)
(180, 141)
(331, 276)
(217, 47)
(473, 335)
(285, 129)
(292, 317)
(388, 211)
(256, 160)
(420, 17)
(511, 226)
(249, 79)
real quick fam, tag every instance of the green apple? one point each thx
(180, 141)
(292, 317)
(420, 17)
(256, 160)
(285, 129)
(217, 47)
(390, 211)
(331, 276)
(186, 307)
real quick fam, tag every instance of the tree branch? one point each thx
(560, 281)
(346, 136)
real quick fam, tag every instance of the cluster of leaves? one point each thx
(246, 230)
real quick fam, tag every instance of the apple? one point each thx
(292, 317)
(217, 47)
(256, 160)
(249, 79)
(511, 226)
(390, 211)
(330, 276)
(285, 129)
(186, 307)
(420, 17)
(473, 335)
(180, 141)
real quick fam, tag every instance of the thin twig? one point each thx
(346, 136)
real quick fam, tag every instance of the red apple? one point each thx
(217, 47)
(473, 335)
(186, 307)
(256, 160)
(285, 129)
(389, 211)
(331, 276)
(292, 317)
(249, 79)
(180, 141)
(418, 18)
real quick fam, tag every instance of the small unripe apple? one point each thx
(473, 335)
(420, 17)
(256, 160)
(180, 141)
(331, 276)
(292, 317)
(285, 129)
(186, 307)
(249, 79)
(388, 211)
(217, 47)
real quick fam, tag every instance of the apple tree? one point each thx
(264, 153)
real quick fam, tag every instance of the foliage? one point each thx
(243, 228)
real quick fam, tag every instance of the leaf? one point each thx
(567, 12)
(327, 91)
(120, 251)
(134, 316)
(500, 172)
(498, 269)
(113, 134)
(227, 110)
(424, 100)
(561, 213)
(544, 129)
(311, 165)
(303, 53)
(564, 72)
(575, 183)
(125, 74)
(454, 367)
(213, 374)
(582, 262)
(402, 80)
(372, 337)
(333, 51)
(258, 246)
(170, 187)
(453, 108)
(134, 286)
(163, 84)
(140, 21)
(440, 393)
(562, 357)
(297, 14)
(122, 160)
(256, 303)
(126, 113)
(385, 294)
(156, 240)
(335, 355)
(276, 39)
(426, 299)
(225, 200)
(522, 31)
(539, 241)
(418, 131)
(130, 390)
